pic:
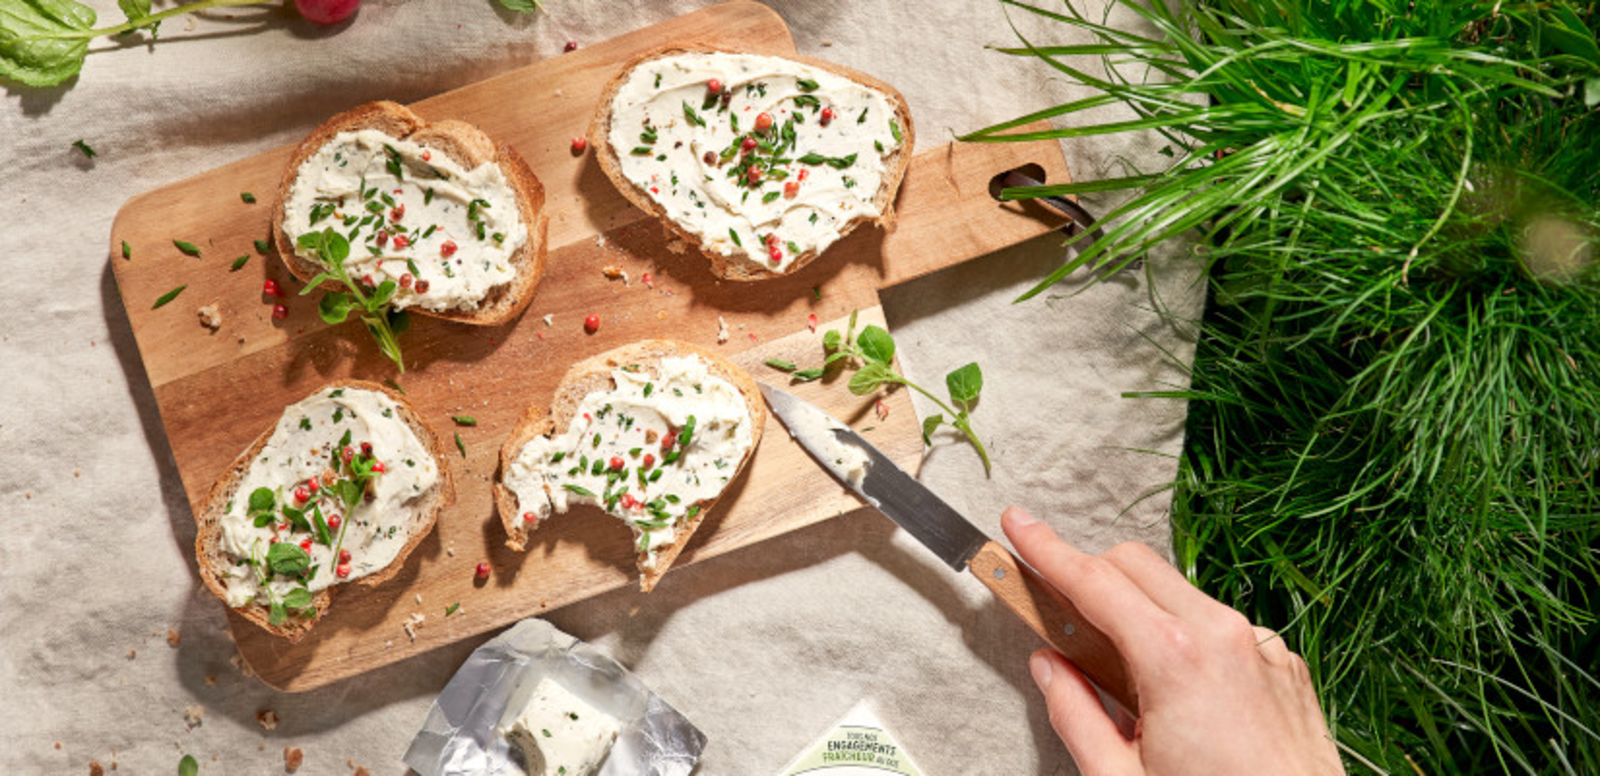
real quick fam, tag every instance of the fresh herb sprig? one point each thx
(44, 42)
(871, 355)
(372, 305)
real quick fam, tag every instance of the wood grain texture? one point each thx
(216, 391)
(1056, 620)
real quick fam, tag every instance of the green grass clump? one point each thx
(1394, 424)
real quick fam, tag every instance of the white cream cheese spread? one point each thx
(815, 432)
(328, 499)
(652, 451)
(561, 735)
(444, 234)
(762, 158)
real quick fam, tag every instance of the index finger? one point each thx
(1102, 592)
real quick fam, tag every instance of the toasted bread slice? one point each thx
(214, 560)
(461, 143)
(596, 375)
(751, 267)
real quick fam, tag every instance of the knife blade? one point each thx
(864, 469)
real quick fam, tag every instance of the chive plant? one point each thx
(1393, 438)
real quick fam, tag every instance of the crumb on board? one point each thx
(96, 769)
(237, 661)
(267, 719)
(133, 653)
(549, 320)
(412, 623)
(173, 638)
(211, 680)
(210, 317)
(677, 246)
(292, 759)
(418, 596)
(722, 330)
(194, 715)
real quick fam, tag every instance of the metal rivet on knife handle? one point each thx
(1051, 615)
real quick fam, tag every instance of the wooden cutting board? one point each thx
(218, 391)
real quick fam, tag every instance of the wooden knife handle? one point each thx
(1051, 615)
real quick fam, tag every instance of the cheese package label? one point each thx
(857, 745)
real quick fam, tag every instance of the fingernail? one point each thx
(1021, 518)
(1039, 666)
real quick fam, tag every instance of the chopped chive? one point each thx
(239, 262)
(780, 364)
(249, 199)
(187, 248)
(88, 153)
(127, 253)
(462, 446)
(168, 296)
(465, 420)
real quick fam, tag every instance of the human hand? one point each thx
(1216, 695)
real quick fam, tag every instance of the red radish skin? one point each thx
(327, 11)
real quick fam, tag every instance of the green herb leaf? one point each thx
(694, 118)
(247, 197)
(832, 339)
(276, 612)
(334, 306)
(807, 375)
(460, 445)
(464, 420)
(188, 766)
(451, 609)
(806, 85)
(930, 425)
(287, 559)
(88, 153)
(522, 6)
(876, 344)
(578, 489)
(262, 500)
(780, 364)
(836, 162)
(188, 248)
(964, 384)
(43, 42)
(869, 377)
(262, 246)
(298, 598)
(239, 263)
(894, 129)
(735, 236)
(127, 253)
(168, 296)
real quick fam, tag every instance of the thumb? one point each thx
(1080, 720)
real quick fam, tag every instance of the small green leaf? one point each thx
(239, 263)
(261, 246)
(832, 340)
(127, 253)
(382, 295)
(460, 445)
(451, 609)
(806, 85)
(262, 500)
(350, 493)
(168, 296)
(522, 6)
(869, 377)
(85, 149)
(694, 118)
(876, 344)
(894, 129)
(298, 598)
(278, 613)
(334, 307)
(320, 526)
(778, 363)
(287, 559)
(188, 766)
(188, 248)
(931, 424)
(578, 489)
(965, 383)
(807, 375)
(247, 197)
(464, 420)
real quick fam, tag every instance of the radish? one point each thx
(327, 11)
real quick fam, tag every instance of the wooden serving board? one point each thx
(218, 391)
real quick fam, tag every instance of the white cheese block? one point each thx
(561, 735)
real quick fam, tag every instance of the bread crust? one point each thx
(594, 374)
(208, 521)
(466, 145)
(728, 267)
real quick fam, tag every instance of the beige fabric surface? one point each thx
(762, 648)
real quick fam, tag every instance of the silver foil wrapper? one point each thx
(462, 735)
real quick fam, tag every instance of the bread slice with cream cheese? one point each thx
(653, 432)
(276, 546)
(677, 131)
(456, 221)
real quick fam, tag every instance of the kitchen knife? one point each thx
(884, 485)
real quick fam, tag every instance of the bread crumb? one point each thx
(360, 771)
(210, 317)
(267, 719)
(96, 769)
(237, 661)
(388, 643)
(722, 330)
(193, 715)
(77, 473)
(412, 623)
(173, 639)
(292, 758)
(133, 653)
(600, 240)
(677, 246)
(58, 744)
(612, 272)
(418, 596)
(450, 550)
(549, 320)
(827, 43)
